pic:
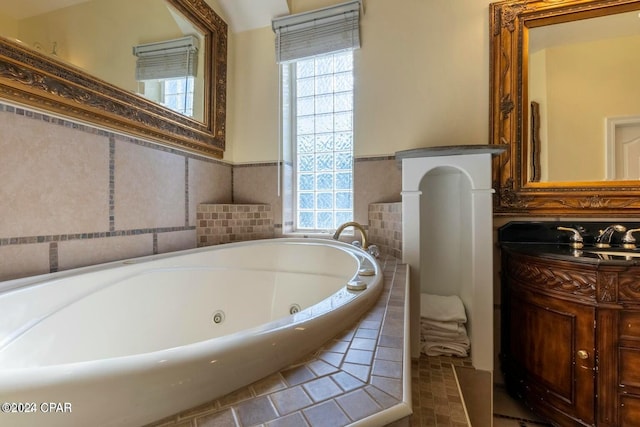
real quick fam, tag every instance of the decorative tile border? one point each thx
(112, 183)
(225, 223)
(357, 374)
(26, 240)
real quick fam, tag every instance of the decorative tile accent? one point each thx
(225, 223)
(112, 183)
(53, 257)
(385, 227)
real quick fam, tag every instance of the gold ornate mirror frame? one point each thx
(31, 78)
(516, 193)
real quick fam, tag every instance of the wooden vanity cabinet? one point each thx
(571, 338)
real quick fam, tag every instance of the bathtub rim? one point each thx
(36, 280)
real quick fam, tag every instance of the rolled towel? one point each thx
(442, 308)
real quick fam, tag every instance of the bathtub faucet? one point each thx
(365, 243)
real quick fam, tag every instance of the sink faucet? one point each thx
(604, 238)
(628, 241)
(365, 243)
(575, 241)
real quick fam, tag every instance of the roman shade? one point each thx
(321, 31)
(167, 59)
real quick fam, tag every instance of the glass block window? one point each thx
(324, 141)
(178, 95)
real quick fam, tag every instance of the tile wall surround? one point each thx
(376, 180)
(226, 223)
(353, 376)
(385, 227)
(257, 183)
(73, 194)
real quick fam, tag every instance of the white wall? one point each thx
(446, 236)
(441, 240)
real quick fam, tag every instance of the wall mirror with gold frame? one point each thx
(565, 101)
(76, 58)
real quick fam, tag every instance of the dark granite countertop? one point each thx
(543, 239)
(587, 255)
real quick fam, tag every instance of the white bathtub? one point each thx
(128, 343)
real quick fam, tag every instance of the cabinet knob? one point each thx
(583, 354)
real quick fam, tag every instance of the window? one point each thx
(166, 71)
(315, 51)
(323, 135)
(178, 95)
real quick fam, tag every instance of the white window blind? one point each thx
(167, 59)
(321, 31)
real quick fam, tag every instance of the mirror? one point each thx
(152, 68)
(563, 100)
(582, 75)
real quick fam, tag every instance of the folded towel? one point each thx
(434, 325)
(442, 308)
(444, 336)
(444, 349)
(462, 339)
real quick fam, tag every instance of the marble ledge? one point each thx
(449, 150)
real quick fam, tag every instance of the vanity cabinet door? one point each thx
(552, 341)
(629, 368)
(548, 347)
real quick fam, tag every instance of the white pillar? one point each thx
(475, 164)
(482, 260)
(411, 257)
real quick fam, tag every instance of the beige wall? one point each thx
(421, 79)
(9, 26)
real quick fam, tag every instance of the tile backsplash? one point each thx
(225, 223)
(385, 227)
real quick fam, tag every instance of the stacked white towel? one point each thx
(442, 326)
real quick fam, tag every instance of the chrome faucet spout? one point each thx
(359, 227)
(604, 238)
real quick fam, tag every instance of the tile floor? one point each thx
(435, 395)
(437, 401)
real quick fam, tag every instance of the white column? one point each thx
(482, 268)
(411, 257)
